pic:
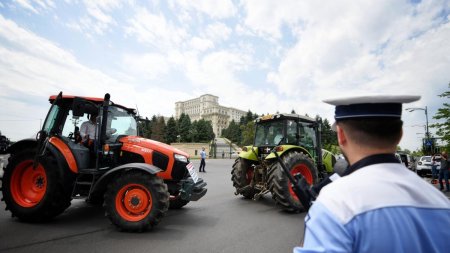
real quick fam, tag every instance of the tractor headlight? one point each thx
(181, 158)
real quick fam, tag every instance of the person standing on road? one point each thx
(202, 161)
(444, 171)
(378, 205)
(434, 172)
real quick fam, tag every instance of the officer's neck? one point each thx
(355, 152)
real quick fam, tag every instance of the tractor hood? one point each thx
(147, 144)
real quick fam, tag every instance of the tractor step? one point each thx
(84, 183)
(89, 171)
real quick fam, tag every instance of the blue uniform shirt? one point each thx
(203, 154)
(380, 208)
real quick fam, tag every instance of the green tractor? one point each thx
(296, 139)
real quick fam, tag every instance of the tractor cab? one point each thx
(113, 121)
(286, 129)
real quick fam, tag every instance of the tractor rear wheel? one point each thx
(242, 175)
(279, 184)
(136, 201)
(34, 194)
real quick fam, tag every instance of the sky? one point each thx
(259, 55)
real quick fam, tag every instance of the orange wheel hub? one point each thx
(133, 202)
(249, 175)
(28, 185)
(305, 172)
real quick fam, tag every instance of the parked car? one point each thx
(406, 160)
(423, 166)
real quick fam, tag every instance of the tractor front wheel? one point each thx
(34, 194)
(136, 201)
(242, 175)
(281, 187)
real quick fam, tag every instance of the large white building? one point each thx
(207, 107)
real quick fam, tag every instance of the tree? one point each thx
(248, 133)
(443, 115)
(232, 132)
(184, 126)
(202, 131)
(293, 111)
(327, 135)
(158, 129)
(171, 131)
(248, 117)
(145, 128)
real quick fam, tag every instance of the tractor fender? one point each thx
(248, 154)
(21, 145)
(289, 148)
(102, 182)
(65, 151)
(60, 158)
(32, 143)
(329, 160)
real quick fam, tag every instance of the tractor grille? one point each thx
(160, 160)
(128, 157)
(179, 170)
(264, 151)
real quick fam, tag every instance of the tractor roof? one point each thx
(280, 116)
(68, 99)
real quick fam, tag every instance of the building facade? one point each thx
(207, 107)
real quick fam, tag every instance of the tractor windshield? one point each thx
(269, 133)
(120, 122)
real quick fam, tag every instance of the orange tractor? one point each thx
(136, 179)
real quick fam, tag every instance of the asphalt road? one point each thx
(219, 222)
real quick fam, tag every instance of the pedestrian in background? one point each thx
(378, 205)
(202, 161)
(434, 172)
(444, 172)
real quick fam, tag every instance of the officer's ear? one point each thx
(342, 138)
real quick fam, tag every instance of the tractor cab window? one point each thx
(51, 119)
(72, 125)
(269, 133)
(307, 136)
(291, 132)
(120, 122)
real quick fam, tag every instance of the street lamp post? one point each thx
(427, 133)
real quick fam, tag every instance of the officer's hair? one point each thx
(373, 132)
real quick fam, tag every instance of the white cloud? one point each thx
(266, 17)
(218, 31)
(217, 69)
(27, 5)
(98, 19)
(155, 30)
(36, 5)
(215, 9)
(200, 44)
(147, 65)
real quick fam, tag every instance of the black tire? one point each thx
(279, 184)
(150, 189)
(178, 202)
(46, 181)
(241, 177)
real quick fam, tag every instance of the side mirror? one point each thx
(78, 107)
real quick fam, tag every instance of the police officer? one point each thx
(378, 205)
